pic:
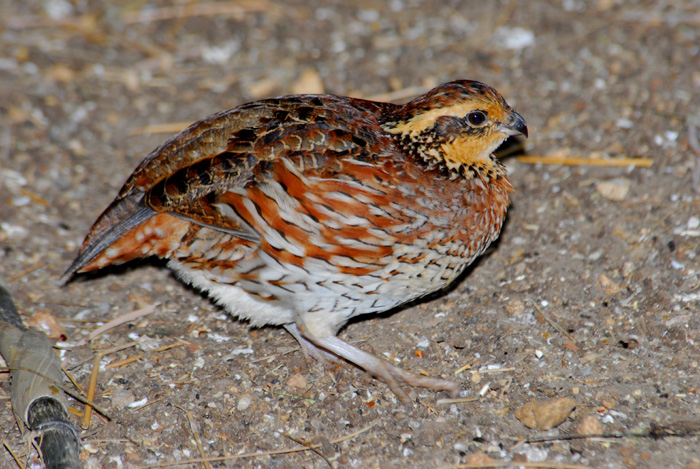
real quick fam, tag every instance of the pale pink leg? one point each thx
(392, 375)
(309, 350)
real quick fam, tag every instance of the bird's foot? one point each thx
(396, 378)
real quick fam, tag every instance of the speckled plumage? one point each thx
(306, 211)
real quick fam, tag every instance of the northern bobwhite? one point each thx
(305, 211)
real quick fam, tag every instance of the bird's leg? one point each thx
(392, 375)
(308, 348)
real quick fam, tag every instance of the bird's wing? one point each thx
(191, 175)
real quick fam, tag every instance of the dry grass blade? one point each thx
(89, 405)
(483, 371)
(580, 161)
(165, 128)
(92, 386)
(457, 400)
(464, 368)
(124, 362)
(119, 321)
(308, 445)
(35, 198)
(14, 456)
(28, 271)
(195, 432)
(494, 370)
(551, 322)
(163, 348)
(72, 380)
(149, 403)
(188, 10)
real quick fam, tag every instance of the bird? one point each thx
(305, 211)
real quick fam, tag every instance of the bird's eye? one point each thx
(476, 118)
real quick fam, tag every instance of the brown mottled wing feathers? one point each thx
(188, 174)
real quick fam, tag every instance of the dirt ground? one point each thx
(592, 292)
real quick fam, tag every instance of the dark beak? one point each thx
(514, 125)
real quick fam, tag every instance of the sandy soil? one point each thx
(592, 292)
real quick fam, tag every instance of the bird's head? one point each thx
(459, 124)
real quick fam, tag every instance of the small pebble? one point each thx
(297, 380)
(139, 403)
(515, 307)
(589, 425)
(243, 403)
(547, 414)
(614, 189)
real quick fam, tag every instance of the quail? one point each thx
(305, 211)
